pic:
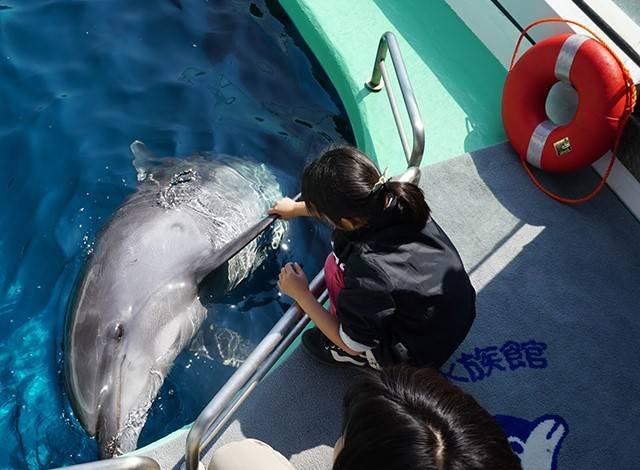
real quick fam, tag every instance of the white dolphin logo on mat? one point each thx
(537, 442)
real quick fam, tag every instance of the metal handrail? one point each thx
(132, 462)
(389, 43)
(259, 374)
(244, 380)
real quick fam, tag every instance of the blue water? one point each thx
(80, 80)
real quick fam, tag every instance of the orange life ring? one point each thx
(600, 82)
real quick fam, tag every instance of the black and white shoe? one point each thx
(321, 349)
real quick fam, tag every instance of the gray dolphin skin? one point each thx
(136, 306)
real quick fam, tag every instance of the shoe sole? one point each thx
(333, 364)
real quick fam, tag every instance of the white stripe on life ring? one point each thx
(562, 70)
(537, 141)
(567, 55)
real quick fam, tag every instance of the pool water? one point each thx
(80, 80)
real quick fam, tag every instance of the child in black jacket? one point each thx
(398, 290)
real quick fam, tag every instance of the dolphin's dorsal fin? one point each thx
(142, 158)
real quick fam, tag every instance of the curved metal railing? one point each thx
(389, 43)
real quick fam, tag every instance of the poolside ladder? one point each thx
(379, 80)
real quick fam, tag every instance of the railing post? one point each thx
(375, 84)
(379, 79)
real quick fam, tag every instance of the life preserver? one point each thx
(600, 84)
(606, 96)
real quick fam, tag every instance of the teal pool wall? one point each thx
(456, 79)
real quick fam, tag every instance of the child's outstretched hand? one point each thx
(288, 208)
(292, 281)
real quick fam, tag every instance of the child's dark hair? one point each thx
(342, 183)
(405, 418)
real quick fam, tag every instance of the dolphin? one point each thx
(136, 306)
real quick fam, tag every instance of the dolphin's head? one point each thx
(96, 353)
(126, 326)
(112, 394)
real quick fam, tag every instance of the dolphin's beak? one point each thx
(117, 437)
(123, 414)
(108, 427)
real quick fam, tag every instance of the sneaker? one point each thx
(321, 349)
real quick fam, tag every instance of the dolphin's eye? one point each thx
(118, 331)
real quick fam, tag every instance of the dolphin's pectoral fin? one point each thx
(239, 266)
(142, 158)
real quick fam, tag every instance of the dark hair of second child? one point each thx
(406, 418)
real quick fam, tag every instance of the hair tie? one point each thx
(382, 181)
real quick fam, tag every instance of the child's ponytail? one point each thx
(415, 210)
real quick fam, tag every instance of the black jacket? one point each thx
(406, 295)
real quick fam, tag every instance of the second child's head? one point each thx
(345, 187)
(404, 418)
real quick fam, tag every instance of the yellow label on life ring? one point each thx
(562, 146)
